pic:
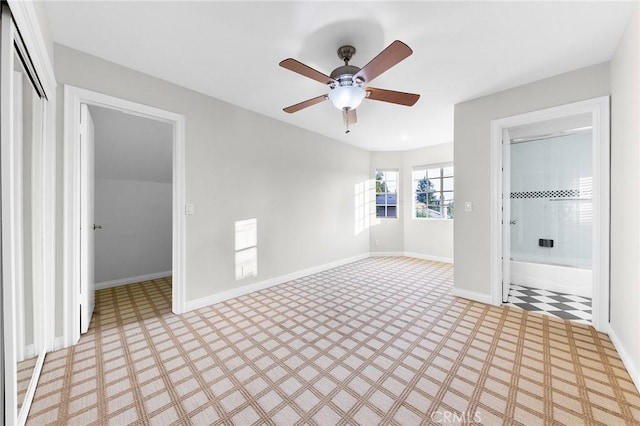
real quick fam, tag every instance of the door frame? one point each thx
(73, 97)
(599, 110)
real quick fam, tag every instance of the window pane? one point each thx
(434, 211)
(380, 211)
(433, 193)
(392, 186)
(433, 173)
(419, 174)
(392, 211)
(450, 211)
(447, 184)
(421, 210)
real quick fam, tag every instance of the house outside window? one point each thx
(433, 192)
(387, 193)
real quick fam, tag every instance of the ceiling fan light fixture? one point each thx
(347, 96)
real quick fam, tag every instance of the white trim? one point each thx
(58, 343)
(250, 288)
(627, 360)
(386, 253)
(599, 108)
(8, 223)
(472, 295)
(73, 97)
(428, 257)
(31, 389)
(131, 280)
(26, 19)
(411, 254)
(49, 222)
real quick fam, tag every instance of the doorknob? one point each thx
(513, 222)
(97, 226)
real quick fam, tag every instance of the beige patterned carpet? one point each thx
(379, 341)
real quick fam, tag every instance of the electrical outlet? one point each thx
(190, 209)
(377, 243)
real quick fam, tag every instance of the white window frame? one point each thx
(440, 166)
(397, 193)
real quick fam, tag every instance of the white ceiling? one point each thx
(462, 50)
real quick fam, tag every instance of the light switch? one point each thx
(190, 209)
(468, 206)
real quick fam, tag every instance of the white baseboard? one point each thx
(58, 343)
(386, 254)
(411, 254)
(472, 295)
(250, 288)
(429, 257)
(131, 280)
(624, 356)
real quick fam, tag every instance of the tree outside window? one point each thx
(433, 192)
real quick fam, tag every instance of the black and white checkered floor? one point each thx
(565, 306)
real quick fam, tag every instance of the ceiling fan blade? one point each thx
(349, 116)
(305, 104)
(305, 70)
(393, 54)
(384, 95)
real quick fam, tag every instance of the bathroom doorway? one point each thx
(551, 218)
(550, 211)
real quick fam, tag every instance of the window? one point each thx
(386, 193)
(433, 192)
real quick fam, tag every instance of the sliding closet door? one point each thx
(21, 138)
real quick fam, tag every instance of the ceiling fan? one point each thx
(346, 83)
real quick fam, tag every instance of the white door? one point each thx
(506, 214)
(87, 284)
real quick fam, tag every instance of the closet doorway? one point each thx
(80, 224)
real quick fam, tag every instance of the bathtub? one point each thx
(564, 279)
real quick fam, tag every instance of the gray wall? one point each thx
(625, 195)
(240, 165)
(472, 154)
(136, 235)
(133, 196)
(429, 238)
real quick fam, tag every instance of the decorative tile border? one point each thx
(560, 193)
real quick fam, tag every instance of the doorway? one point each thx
(551, 220)
(129, 224)
(77, 291)
(550, 174)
